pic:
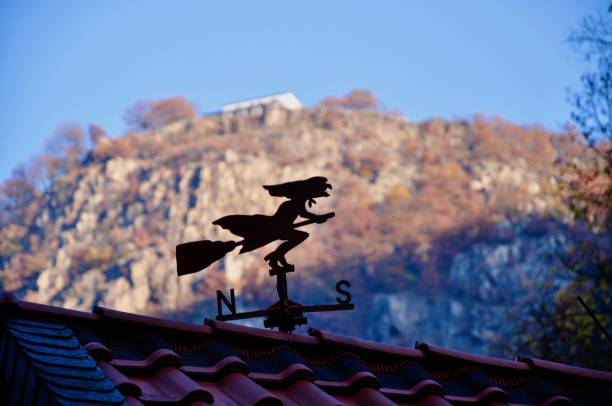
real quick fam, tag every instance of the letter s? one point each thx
(343, 292)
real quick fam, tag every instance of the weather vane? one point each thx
(257, 231)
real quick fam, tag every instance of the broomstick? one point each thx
(197, 255)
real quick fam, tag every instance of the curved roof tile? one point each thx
(246, 392)
(303, 392)
(123, 383)
(225, 365)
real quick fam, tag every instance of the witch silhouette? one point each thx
(259, 230)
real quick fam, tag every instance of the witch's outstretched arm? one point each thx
(319, 218)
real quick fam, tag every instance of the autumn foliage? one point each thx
(154, 114)
(558, 325)
(355, 99)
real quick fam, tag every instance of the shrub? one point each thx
(356, 99)
(64, 150)
(154, 114)
(399, 194)
(96, 133)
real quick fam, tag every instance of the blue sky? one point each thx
(84, 61)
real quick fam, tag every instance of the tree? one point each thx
(64, 150)
(96, 133)
(20, 202)
(356, 99)
(593, 104)
(16, 194)
(154, 114)
(592, 112)
(554, 323)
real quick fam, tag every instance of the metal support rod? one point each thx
(281, 285)
(328, 308)
(244, 315)
(594, 319)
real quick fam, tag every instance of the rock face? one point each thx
(487, 281)
(417, 229)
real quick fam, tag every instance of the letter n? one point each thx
(231, 304)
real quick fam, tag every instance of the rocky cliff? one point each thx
(434, 222)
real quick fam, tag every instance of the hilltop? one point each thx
(468, 208)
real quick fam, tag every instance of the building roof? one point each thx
(109, 357)
(287, 100)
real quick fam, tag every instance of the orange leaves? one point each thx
(154, 114)
(355, 99)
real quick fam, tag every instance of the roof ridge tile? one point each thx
(552, 366)
(362, 344)
(9, 302)
(230, 328)
(431, 349)
(116, 315)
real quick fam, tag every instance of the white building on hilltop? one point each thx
(257, 107)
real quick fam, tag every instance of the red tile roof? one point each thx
(142, 360)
